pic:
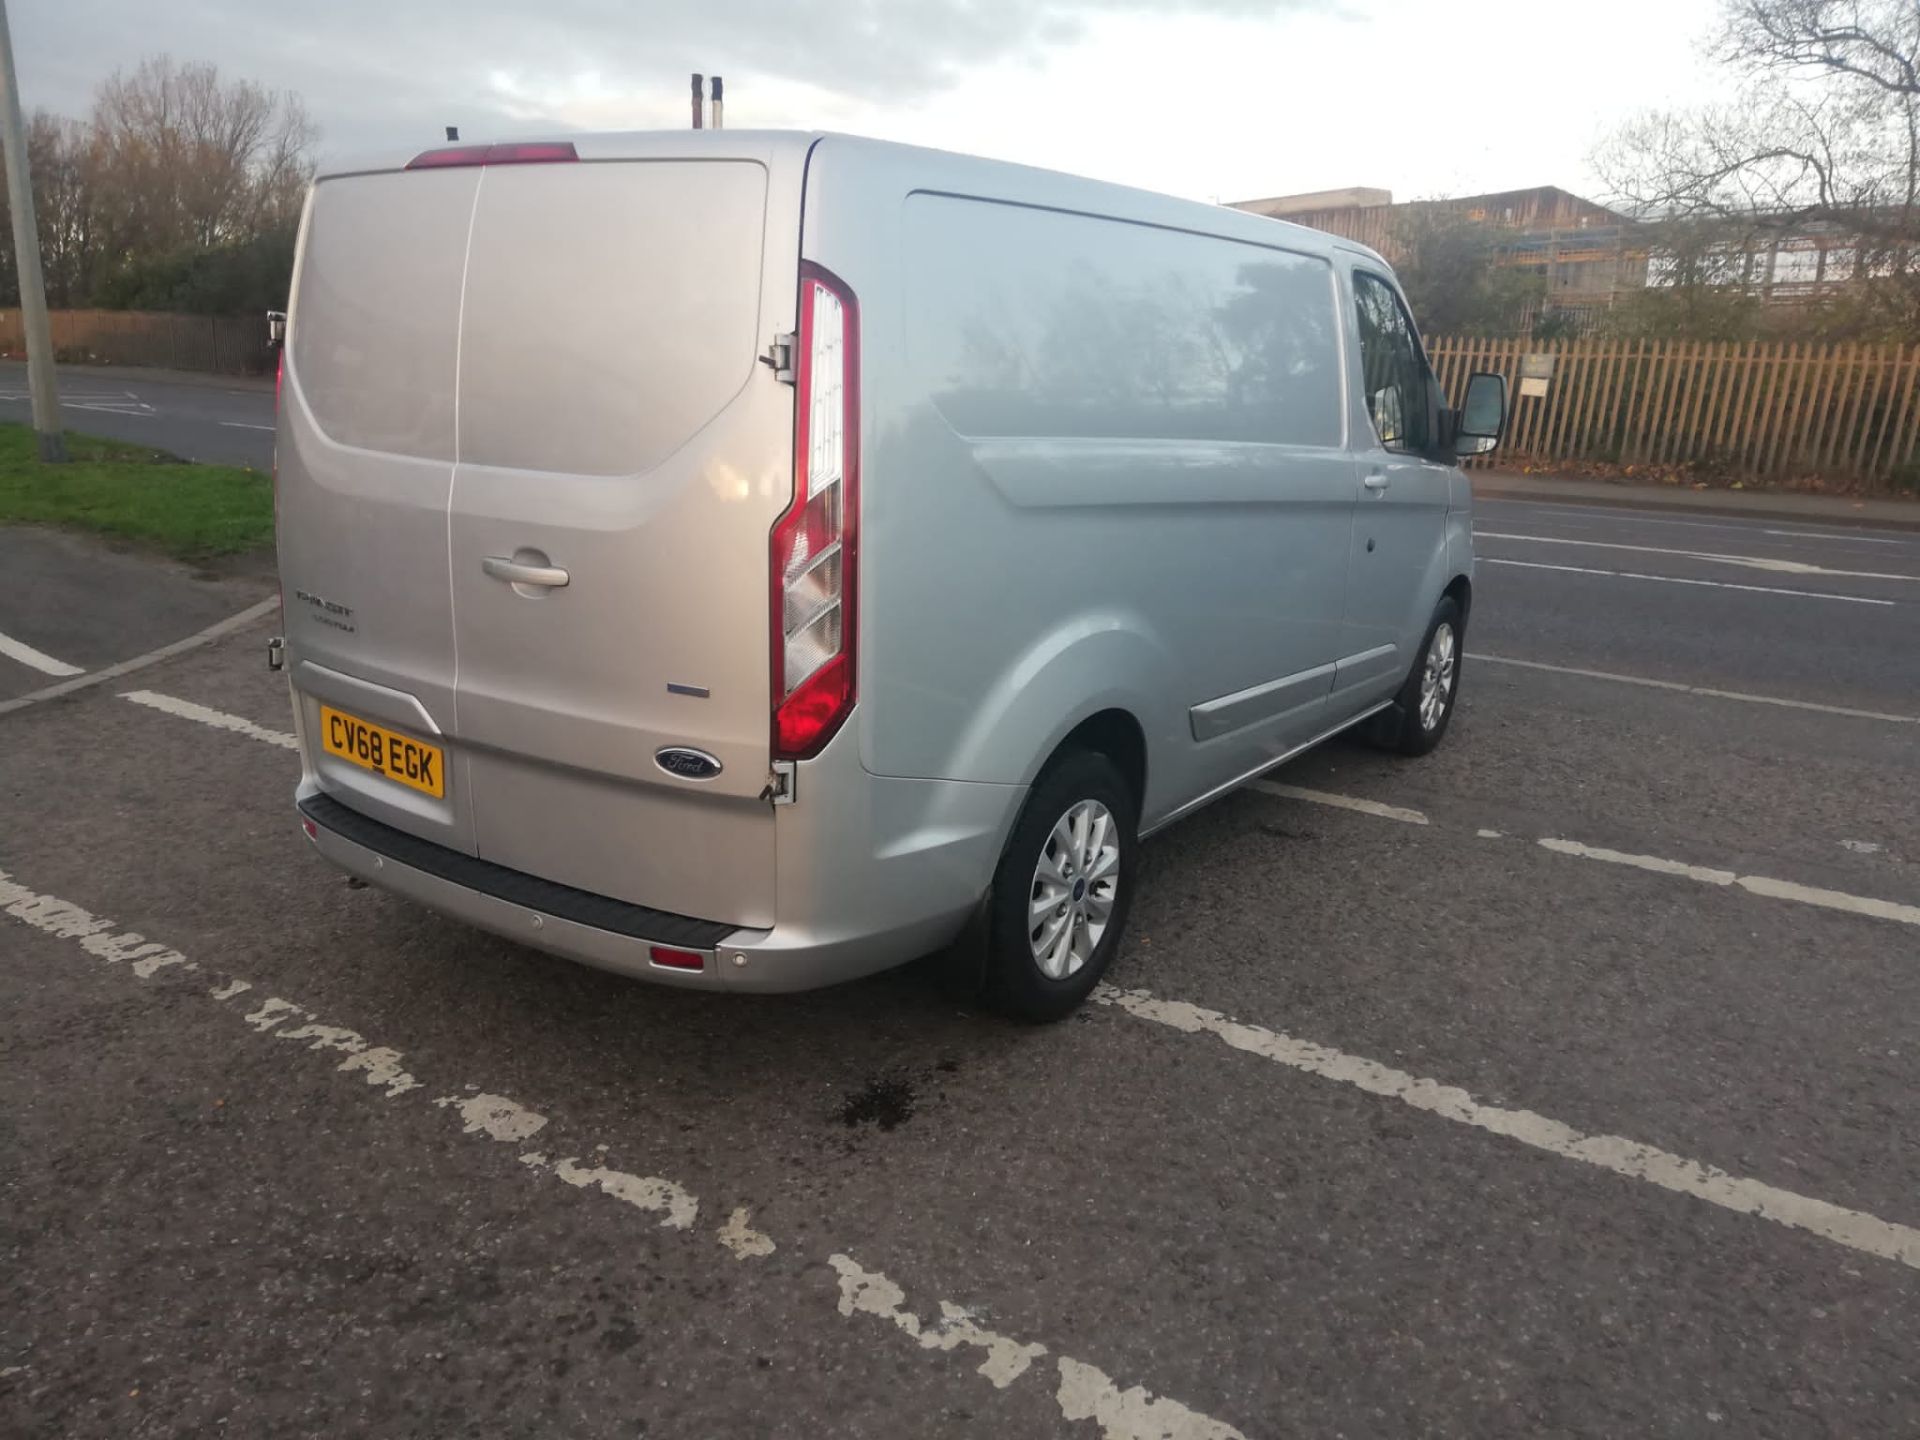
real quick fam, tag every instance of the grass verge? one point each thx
(131, 492)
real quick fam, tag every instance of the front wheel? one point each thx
(1417, 720)
(1062, 890)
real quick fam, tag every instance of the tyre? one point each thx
(1418, 718)
(1062, 890)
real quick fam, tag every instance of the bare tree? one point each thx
(1824, 133)
(57, 165)
(186, 159)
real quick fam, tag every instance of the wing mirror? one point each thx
(276, 329)
(1482, 417)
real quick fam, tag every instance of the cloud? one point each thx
(373, 69)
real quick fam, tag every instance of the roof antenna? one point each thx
(453, 132)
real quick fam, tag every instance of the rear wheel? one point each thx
(1062, 890)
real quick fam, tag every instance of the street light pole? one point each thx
(26, 248)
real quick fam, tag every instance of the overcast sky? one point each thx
(1214, 99)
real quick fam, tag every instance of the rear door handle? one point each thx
(550, 577)
(1376, 481)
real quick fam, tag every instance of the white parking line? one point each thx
(218, 719)
(1681, 580)
(1480, 659)
(243, 425)
(140, 662)
(1343, 802)
(1758, 884)
(38, 660)
(1855, 1229)
(1083, 1391)
(1708, 875)
(1752, 562)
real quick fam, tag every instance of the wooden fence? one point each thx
(222, 344)
(1842, 411)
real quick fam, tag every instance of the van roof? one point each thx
(946, 169)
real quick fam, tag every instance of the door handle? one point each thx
(1377, 481)
(547, 577)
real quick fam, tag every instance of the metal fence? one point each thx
(220, 344)
(1839, 411)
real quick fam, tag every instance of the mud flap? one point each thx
(960, 970)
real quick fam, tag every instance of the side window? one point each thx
(1392, 372)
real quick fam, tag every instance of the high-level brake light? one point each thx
(814, 570)
(523, 153)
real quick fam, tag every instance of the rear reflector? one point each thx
(529, 153)
(313, 830)
(677, 959)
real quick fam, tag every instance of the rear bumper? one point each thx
(840, 942)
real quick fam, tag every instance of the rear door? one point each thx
(622, 459)
(364, 464)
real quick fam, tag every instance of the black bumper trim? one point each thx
(602, 912)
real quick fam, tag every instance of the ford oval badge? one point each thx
(687, 763)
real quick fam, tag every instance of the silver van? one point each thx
(752, 560)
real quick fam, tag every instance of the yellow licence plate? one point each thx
(376, 748)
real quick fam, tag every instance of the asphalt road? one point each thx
(1608, 1136)
(210, 419)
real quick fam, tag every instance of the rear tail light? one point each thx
(525, 153)
(814, 571)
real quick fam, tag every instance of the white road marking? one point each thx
(495, 1116)
(643, 1192)
(868, 1292)
(1611, 515)
(1831, 535)
(207, 636)
(1862, 847)
(243, 425)
(1706, 875)
(35, 659)
(1752, 562)
(119, 402)
(1343, 802)
(742, 1240)
(218, 719)
(1655, 864)
(1683, 580)
(1758, 884)
(1854, 1229)
(1481, 659)
(1123, 1414)
(1489, 834)
(1088, 1394)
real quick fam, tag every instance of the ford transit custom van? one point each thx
(752, 560)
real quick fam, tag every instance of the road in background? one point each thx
(212, 419)
(1825, 614)
(1602, 1135)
